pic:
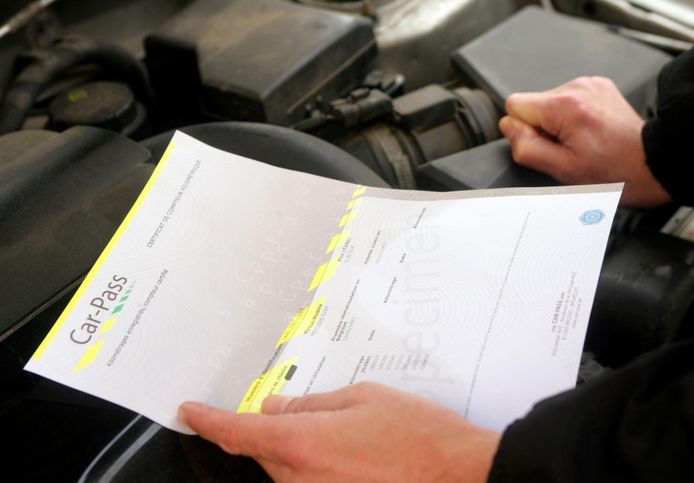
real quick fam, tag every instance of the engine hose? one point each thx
(71, 51)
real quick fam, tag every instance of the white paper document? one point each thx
(230, 280)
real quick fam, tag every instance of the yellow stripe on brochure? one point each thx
(330, 270)
(302, 322)
(338, 240)
(354, 203)
(89, 355)
(105, 254)
(318, 277)
(351, 216)
(272, 382)
(359, 191)
(333, 243)
(324, 273)
(108, 325)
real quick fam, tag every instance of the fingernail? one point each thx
(510, 101)
(506, 125)
(275, 404)
(186, 409)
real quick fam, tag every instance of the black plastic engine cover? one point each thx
(257, 60)
(645, 290)
(60, 202)
(536, 50)
(483, 167)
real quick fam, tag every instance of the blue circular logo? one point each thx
(592, 217)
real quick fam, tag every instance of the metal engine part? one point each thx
(670, 18)
(415, 37)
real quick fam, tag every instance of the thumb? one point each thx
(248, 434)
(533, 149)
(276, 404)
(323, 401)
(535, 109)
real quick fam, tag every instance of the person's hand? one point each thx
(583, 132)
(364, 432)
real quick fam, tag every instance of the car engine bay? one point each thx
(394, 93)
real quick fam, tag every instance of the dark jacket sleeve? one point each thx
(635, 424)
(668, 137)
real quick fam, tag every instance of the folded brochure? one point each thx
(230, 280)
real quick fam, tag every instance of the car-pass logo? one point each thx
(592, 217)
(103, 310)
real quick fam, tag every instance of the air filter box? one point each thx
(257, 60)
(536, 50)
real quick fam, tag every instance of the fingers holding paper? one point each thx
(364, 432)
